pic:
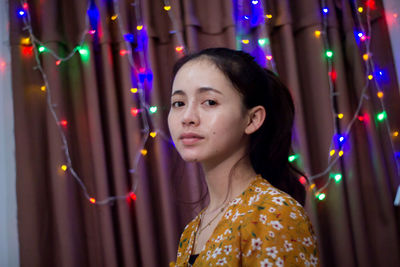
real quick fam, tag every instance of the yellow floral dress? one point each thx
(261, 227)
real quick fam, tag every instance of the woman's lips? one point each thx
(190, 141)
(190, 138)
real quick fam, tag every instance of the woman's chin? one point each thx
(190, 157)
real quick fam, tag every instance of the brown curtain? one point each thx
(357, 224)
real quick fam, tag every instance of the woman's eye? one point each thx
(177, 104)
(210, 102)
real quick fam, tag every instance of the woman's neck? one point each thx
(217, 178)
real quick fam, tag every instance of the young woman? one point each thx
(235, 118)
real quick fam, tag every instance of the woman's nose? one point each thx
(191, 116)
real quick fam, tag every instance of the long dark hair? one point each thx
(270, 145)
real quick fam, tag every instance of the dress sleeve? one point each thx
(278, 234)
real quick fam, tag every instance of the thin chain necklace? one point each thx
(213, 219)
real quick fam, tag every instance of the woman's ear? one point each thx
(256, 117)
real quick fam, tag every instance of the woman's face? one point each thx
(206, 119)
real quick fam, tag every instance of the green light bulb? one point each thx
(337, 177)
(381, 116)
(321, 196)
(41, 49)
(261, 41)
(292, 158)
(84, 52)
(329, 53)
(153, 109)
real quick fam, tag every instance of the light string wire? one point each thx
(175, 29)
(35, 42)
(332, 93)
(241, 32)
(369, 66)
(264, 32)
(141, 89)
(332, 160)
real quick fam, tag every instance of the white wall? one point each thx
(9, 249)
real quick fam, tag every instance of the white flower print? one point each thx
(219, 239)
(278, 200)
(271, 234)
(266, 263)
(279, 262)
(216, 252)
(228, 249)
(307, 241)
(222, 261)
(313, 260)
(306, 263)
(228, 214)
(272, 251)
(236, 215)
(271, 209)
(179, 254)
(276, 224)
(272, 192)
(288, 246)
(256, 243)
(293, 215)
(208, 254)
(257, 190)
(254, 199)
(228, 232)
(302, 256)
(238, 253)
(263, 218)
(236, 201)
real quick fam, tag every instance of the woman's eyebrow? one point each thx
(178, 92)
(208, 89)
(199, 90)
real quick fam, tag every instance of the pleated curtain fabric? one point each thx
(357, 224)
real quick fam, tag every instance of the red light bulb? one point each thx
(63, 123)
(134, 111)
(302, 180)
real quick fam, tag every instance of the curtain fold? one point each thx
(357, 224)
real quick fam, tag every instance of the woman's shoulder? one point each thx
(262, 192)
(268, 204)
(276, 228)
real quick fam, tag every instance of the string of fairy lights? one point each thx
(254, 15)
(364, 36)
(31, 45)
(249, 14)
(339, 139)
